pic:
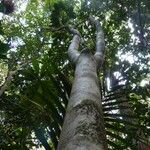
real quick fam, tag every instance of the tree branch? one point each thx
(7, 81)
(141, 34)
(100, 42)
(9, 78)
(73, 48)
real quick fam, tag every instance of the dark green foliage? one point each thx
(4, 47)
(36, 99)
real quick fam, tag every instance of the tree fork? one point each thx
(83, 126)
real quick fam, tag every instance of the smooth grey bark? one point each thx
(83, 127)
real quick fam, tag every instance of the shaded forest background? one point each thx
(36, 75)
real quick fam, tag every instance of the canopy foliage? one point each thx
(36, 76)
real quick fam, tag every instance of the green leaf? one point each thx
(35, 64)
(3, 48)
(1, 29)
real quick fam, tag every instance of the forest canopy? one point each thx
(36, 74)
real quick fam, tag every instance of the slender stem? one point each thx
(141, 35)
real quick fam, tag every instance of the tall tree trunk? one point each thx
(83, 128)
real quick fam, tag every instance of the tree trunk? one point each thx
(83, 128)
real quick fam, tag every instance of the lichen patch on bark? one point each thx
(92, 126)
